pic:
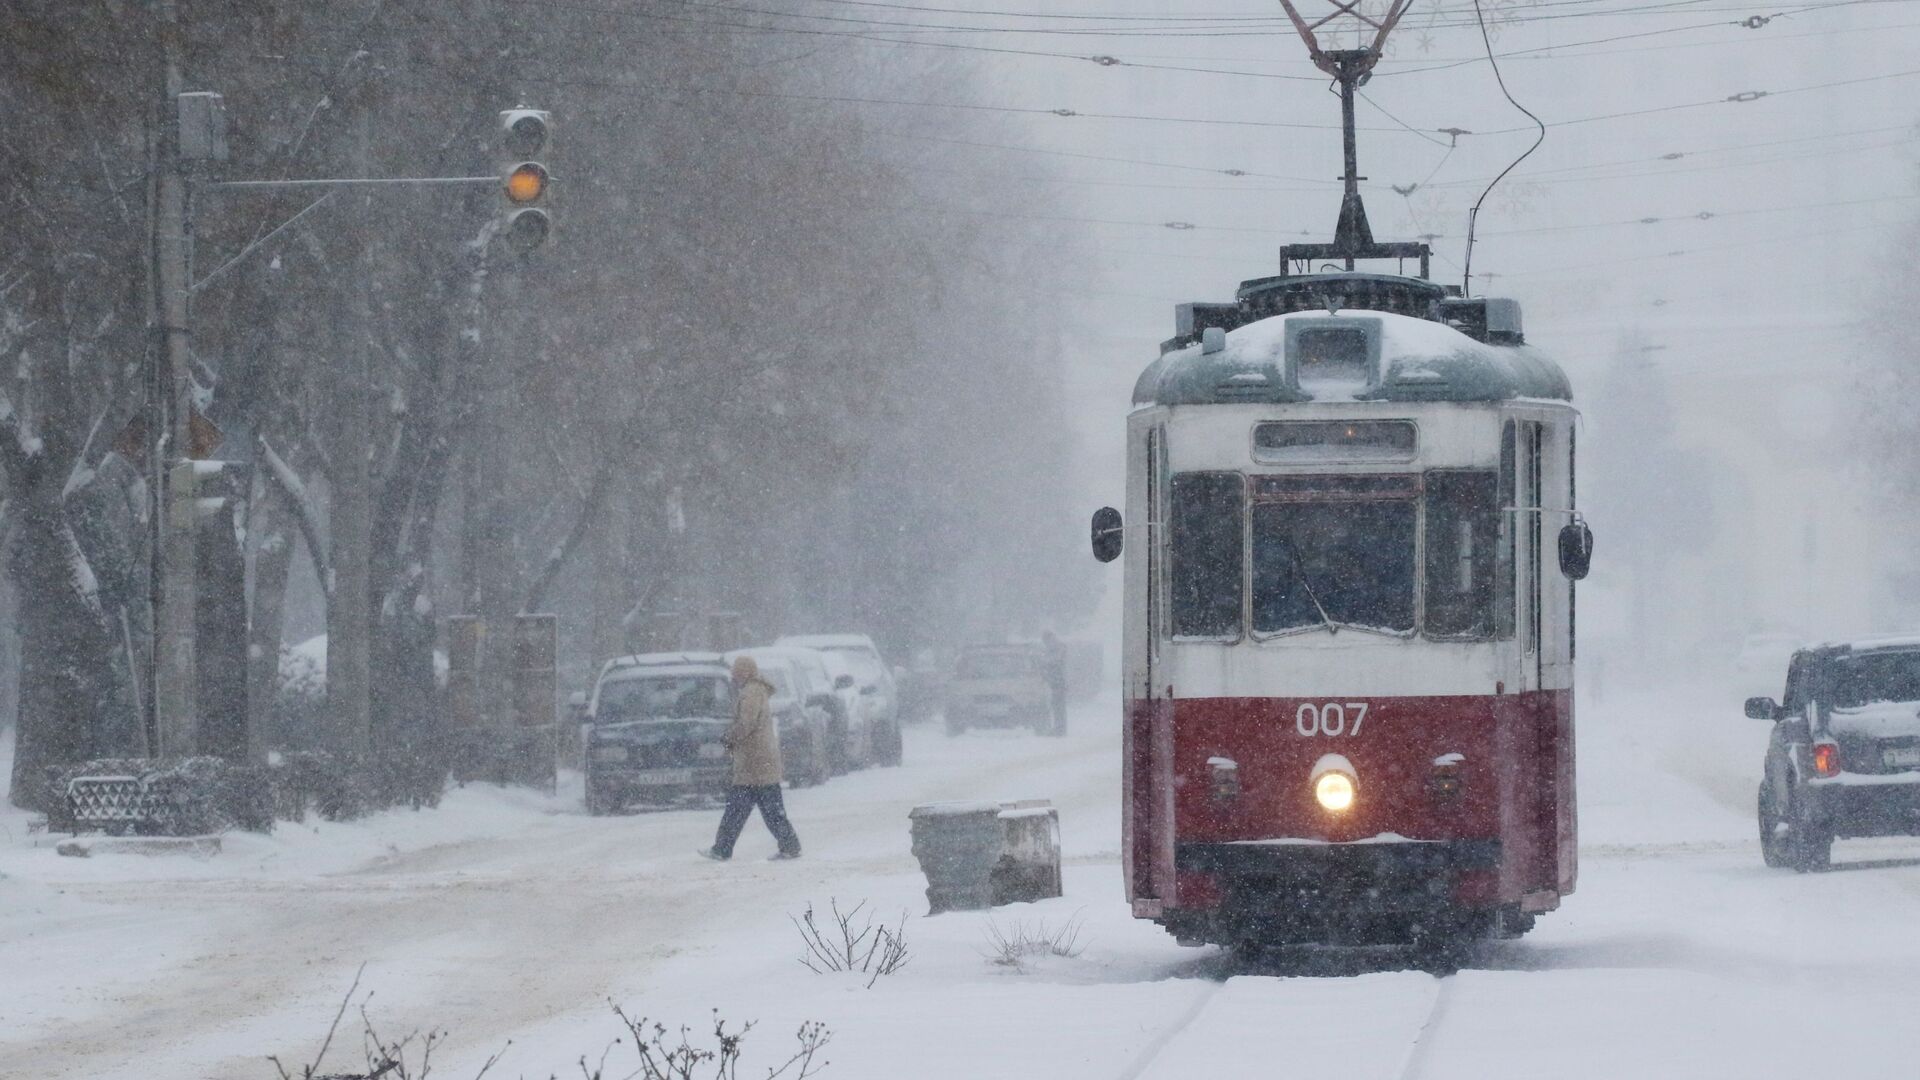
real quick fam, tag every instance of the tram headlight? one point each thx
(1335, 791)
(1335, 783)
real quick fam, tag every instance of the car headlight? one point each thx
(610, 753)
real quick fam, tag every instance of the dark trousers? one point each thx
(773, 811)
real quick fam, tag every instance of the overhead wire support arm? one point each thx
(1350, 69)
(1382, 26)
(353, 181)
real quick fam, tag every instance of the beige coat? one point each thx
(754, 738)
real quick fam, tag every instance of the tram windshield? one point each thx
(1338, 563)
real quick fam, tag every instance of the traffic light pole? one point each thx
(169, 427)
(174, 726)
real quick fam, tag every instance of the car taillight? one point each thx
(1826, 759)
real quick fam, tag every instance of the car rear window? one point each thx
(1865, 678)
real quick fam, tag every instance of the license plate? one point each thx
(663, 776)
(1901, 757)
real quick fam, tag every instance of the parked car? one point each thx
(876, 685)
(655, 731)
(1844, 757)
(1000, 686)
(803, 704)
(920, 686)
(852, 742)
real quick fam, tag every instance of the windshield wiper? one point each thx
(1300, 571)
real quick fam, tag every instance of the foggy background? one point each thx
(846, 298)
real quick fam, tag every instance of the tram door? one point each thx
(1531, 434)
(1149, 743)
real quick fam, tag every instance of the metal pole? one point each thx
(1350, 144)
(175, 717)
(349, 610)
(1352, 234)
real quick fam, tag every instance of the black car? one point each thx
(657, 733)
(1844, 759)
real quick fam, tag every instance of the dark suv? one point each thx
(1844, 759)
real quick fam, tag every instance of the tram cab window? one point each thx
(1463, 541)
(1339, 562)
(1314, 442)
(1332, 355)
(1206, 562)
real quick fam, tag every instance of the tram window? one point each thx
(1463, 536)
(1356, 559)
(1310, 441)
(1206, 545)
(1503, 613)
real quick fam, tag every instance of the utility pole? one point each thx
(170, 422)
(349, 611)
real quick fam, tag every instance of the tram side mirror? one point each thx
(1762, 708)
(1576, 550)
(1107, 534)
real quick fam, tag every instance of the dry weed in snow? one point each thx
(870, 950)
(1020, 942)
(657, 1055)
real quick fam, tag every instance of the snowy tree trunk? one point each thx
(66, 646)
(220, 624)
(272, 564)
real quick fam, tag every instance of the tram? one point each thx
(1349, 558)
(1349, 551)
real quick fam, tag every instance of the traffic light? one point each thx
(524, 138)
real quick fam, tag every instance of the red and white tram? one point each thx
(1349, 554)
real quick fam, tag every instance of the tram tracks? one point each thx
(1413, 1066)
(1161, 1057)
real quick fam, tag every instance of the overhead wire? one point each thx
(1026, 110)
(1473, 216)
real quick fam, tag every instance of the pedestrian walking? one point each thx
(754, 743)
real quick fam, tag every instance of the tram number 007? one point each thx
(1332, 718)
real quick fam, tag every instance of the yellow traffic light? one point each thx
(526, 183)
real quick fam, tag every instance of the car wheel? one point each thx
(598, 804)
(896, 745)
(1773, 832)
(1809, 846)
(955, 727)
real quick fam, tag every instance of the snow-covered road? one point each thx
(512, 916)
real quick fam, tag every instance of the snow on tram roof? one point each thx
(1412, 360)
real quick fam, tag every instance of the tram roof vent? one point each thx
(1494, 320)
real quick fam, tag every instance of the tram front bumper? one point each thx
(1317, 888)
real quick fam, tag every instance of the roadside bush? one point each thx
(199, 795)
(871, 950)
(339, 787)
